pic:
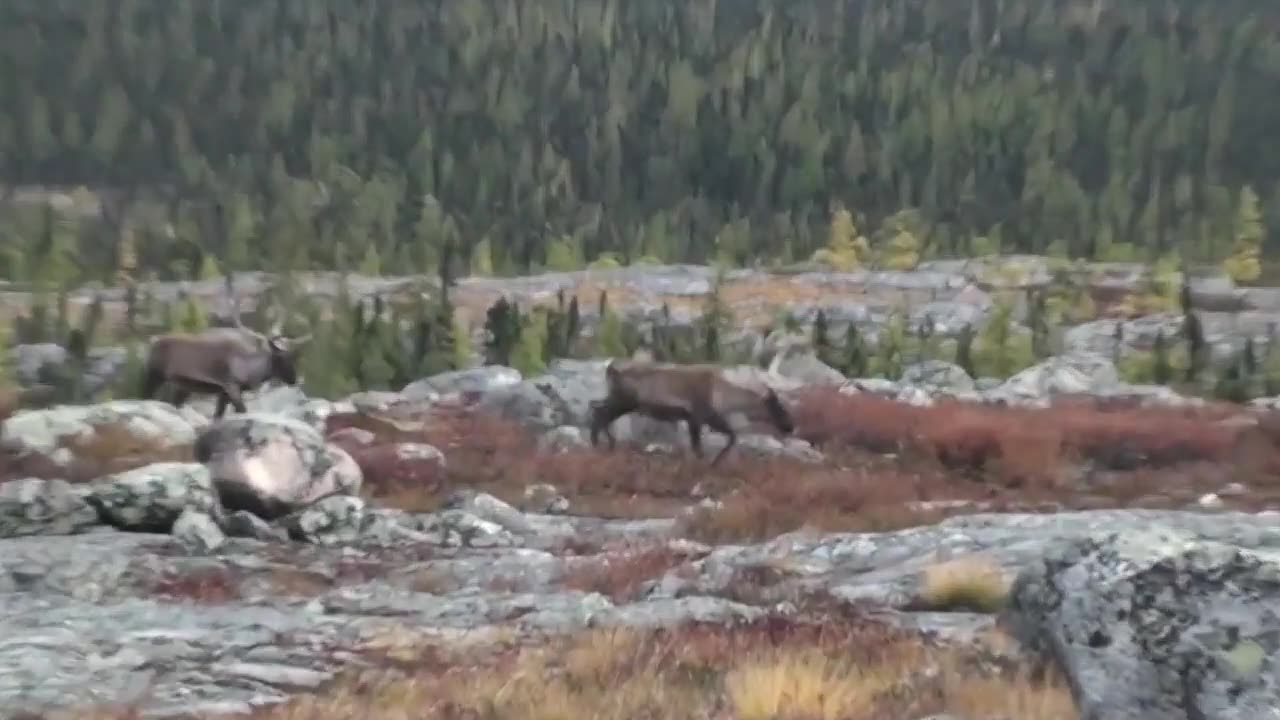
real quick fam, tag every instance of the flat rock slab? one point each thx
(115, 617)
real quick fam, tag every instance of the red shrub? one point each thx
(1020, 443)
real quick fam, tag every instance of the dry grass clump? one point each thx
(964, 584)
(843, 669)
(113, 448)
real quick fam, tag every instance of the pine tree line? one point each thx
(509, 135)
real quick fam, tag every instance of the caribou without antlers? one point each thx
(699, 394)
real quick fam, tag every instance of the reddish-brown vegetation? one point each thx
(398, 477)
(888, 464)
(212, 585)
(620, 575)
(1018, 444)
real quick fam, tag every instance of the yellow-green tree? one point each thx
(564, 254)
(527, 354)
(900, 238)
(461, 344)
(846, 248)
(1245, 262)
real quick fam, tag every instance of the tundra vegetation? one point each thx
(844, 134)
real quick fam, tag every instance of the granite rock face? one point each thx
(151, 421)
(32, 506)
(152, 498)
(1158, 624)
(272, 465)
(224, 615)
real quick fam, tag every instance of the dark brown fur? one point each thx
(698, 394)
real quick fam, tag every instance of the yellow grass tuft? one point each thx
(806, 684)
(1016, 697)
(965, 584)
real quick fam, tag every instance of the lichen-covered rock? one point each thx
(330, 521)
(563, 438)
(1076, 373)
(482, 380)
(244, 524)
(937, 376)
(151, 498)
(32, 506)
(272, 465)
(198, 531)
(156, 423)
(1157, 625)
(807, 368)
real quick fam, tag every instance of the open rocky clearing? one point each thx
(489, 564)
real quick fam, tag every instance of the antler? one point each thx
(299, 340)
(239, 324)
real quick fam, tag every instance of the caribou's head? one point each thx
(283, 349)
(284, 356)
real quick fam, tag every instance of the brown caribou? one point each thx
(698, 394)
(221, 361)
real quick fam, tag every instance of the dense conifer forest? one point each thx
(512, 135)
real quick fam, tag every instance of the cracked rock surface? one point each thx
(195, 622)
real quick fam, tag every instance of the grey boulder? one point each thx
(272, 466)
(1157, 624)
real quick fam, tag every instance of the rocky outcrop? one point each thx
(271, 465)
(150, 423)
(1159, 624)
(206, 620)
(33, 506)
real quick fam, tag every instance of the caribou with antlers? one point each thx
(221, 361)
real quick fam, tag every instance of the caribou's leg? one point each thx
(720, 425)
(695, 435)
(602, 416)
(151, 381)
(237, 400)
(229, 394)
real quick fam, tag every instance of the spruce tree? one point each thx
(502, 327)
(855, 353)
(1193, 332)
(1162, 371)
(573, 326)
(964, 350)
(819, 339)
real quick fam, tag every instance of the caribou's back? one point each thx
(206, 357)
(662, 385)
